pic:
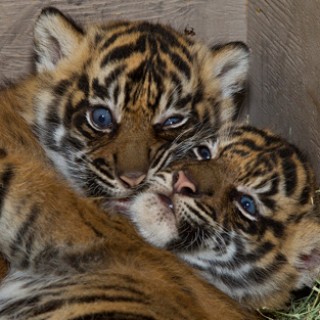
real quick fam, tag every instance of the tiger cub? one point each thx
(108, 100)
(70, 260)
(243, 216)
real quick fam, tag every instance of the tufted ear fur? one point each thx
(230, 65)
(55, 38)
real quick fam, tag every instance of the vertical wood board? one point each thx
(284, 37)
(212, 20)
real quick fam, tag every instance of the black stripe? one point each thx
(209, 211)
(5, 180)
(154, 106)
(99, 90)
(262, 274)
(177, 88)
(181, 64)
(305, 195)
(120, 288)
(115, 94)
(24, 264)
(93, 189)
(57, 304)
(157, 31)
(177, 83)
(183, 101)
(48, 254)
(250, 144)
(113, 315)
(53, 120)
(240, 256)
(111, 40)
(99, 163)
(83, 84)
(296, 217)
(259, 252)
(248, 226)
(138, 74)
(268, 139)
(269, 203)
(285, 152)
(3, 153)
(196, 213)
(290, 173)
(12, 308)
(69, 110)
(198, 96)
(161, 158)
(124, 51)
(61, 87)
(127, 90)
(97, 39)
(277, 227)
(256, 276)
(24, 229)
(74, 143)
(114, 75)
(53, 305)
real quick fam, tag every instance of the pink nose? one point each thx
(184, 185)
(132, 179)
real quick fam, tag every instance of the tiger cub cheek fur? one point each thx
(245, 219)
(153, 220)
(112, 98)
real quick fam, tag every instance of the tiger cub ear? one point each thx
(55, 38)
(230, 64)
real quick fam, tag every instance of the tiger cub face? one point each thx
(110, 99)
(243, 215)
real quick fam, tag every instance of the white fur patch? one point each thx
(155, 222)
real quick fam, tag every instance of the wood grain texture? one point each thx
(285, 75)
(213, 21)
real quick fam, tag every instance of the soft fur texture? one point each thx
(70, 260)
(153, 85)
(197, 209)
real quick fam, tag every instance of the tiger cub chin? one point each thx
(244, 216)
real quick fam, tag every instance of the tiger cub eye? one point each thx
(101, 118)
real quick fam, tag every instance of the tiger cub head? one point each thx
(244, 216)
(111, 98)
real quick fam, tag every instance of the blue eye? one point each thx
(248, 204)
(172, 121)
(101, 118)
(204, 153)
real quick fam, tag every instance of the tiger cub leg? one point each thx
(45, 227)
(39, 213)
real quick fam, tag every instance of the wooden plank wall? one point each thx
(212, 20)
(284, 36)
